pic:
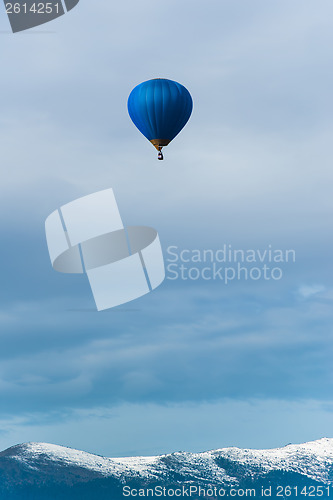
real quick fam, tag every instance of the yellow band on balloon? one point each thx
(160, 143)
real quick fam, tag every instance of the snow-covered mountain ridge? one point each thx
(312, 459)
(46, 471)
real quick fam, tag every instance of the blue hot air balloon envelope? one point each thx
(160, 108)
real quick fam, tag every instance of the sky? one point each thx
(197, 364)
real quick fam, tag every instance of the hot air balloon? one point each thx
(160, 108)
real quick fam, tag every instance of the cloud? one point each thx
(194, 427)
(233, 346)
(307, 291)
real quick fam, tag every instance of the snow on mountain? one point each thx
(40, 471)
(313, 460)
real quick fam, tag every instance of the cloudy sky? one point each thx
(197, 364)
